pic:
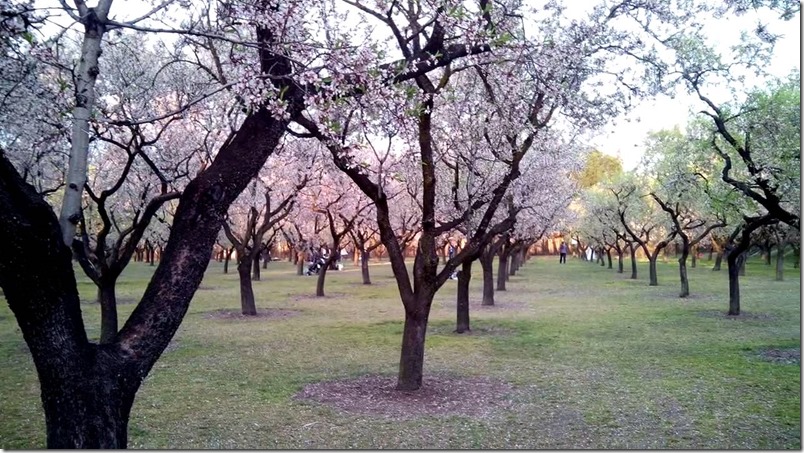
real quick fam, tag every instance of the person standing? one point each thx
(562, 251)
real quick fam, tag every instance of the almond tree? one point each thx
(642, 222)
(255, 217)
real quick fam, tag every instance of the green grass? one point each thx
(596, 361)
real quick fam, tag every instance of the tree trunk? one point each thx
(633, 262)
(718, 261)
(266, 257)
(247, 305)
(619, 261)
(88, 408)
(694, 252)
(411, 363)
(735, 261)
(780, 262)
(654, 279)
(364, 267)
(108, 305)
(255, 268)
(508, 266)
(502, 271)
(322, 275)
(682, 270)
(464, 277)
(514, 263)
(299, 263)
(487, 263)
(227, 259)
(711, 252)
(608, 255)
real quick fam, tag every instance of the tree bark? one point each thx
(299, 263)
(654, 279)
(364, 267)
(718, 261)
(487, 263)
(255, 268)
(780, 261)
(227, 259)
(694, 253)
(502, 269)
(247, 304)
(411, 364)
(682, 270)
(464, 277)
(633, 261)
(735, 261)
(108, 306)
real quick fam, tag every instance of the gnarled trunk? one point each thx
(654, 280)
(633, 262)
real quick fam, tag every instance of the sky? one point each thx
(625, 136)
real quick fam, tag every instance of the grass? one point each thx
(596, 361)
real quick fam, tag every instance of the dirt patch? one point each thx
(743, 316)
(262, 313)
(439, 396)
(791, 356)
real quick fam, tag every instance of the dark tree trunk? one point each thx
(694, 254)
(682, 270)
(108, 306)
(502, 271)
(718, 261)
(711, 252)
(654, 279)
(322, 274)
(619, 261)
(608, 255)
(780, 262)
(255, 268)
(633, 262)
(735, 261)
(509, 264)
(266, 258)
(487, 263)
(514, 263)
(364, 267)
(464, 277)
(411, 363)
(247, 305)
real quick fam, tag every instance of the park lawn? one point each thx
(593, 359)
